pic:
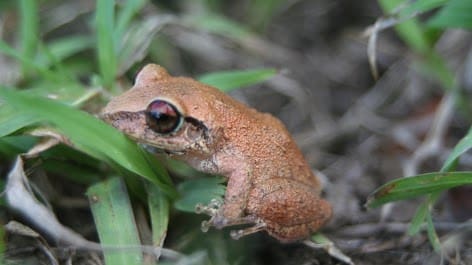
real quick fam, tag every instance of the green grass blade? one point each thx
(137, 39)
(28, 62)
(455, 14)
(432, 236)
(106, 47)
(11, 146)
(201, 190)
(461, 147)
(159, 213)
(405, 188)
(13, 120)
(76, 173)
(435, 66)
(89, 135)
(3, 245)
(29, 31)
(416, 36)
(418, 219)
(65, 47)
(422, 6)
(410, 31)
(229, 80)
(219, 25)
(130, 8)
(261, 12)
(115, 223)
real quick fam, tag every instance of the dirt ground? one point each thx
(358, 132)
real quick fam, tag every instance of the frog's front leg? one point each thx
(232, 211)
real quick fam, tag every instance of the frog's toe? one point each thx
(216, 220)
(206, 226)
(212, 209)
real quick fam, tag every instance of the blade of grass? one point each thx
(115, 223)
(415, 35)
(130, 8)
(56, 63)
(64, 153)
(2, 244)
(433, 237)
(11, 146)
(410, 31)
(262, 11)
(77, 173)
(65, 47)
(461, 147)
(13, 120)
(90, 135)
(455, 14)
(319, 240)
(427, 204)
(201, 190)
(106, 48)
(28, 61)
(436, 67)
(137, 39)
(159, 214)
(405, 188)
(418, 219)
(219, 25)
(28, 31)
(421, 6)
(422, 212)
(229, 80)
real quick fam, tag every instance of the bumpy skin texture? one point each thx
(269, 182)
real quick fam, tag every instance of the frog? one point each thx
(270, 186)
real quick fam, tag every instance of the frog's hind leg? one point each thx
(259, 226)
(291, 210)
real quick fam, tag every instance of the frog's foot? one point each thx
(212, 209)
(215, 210)
(258, 226)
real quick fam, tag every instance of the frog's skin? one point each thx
(270, 185)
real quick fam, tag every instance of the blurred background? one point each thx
(359, 124)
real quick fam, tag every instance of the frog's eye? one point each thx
(163, 117)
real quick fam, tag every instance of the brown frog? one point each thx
(270, 185)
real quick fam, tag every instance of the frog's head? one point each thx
(173, 114)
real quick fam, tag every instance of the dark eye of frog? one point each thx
(163, 117)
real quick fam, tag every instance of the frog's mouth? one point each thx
(156, 150)
(191, 135)
(130, 123)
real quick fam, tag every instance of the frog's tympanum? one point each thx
(270, 185)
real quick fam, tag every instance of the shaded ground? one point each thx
(358, 132)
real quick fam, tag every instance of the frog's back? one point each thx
(260, 137)
(273, 151)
